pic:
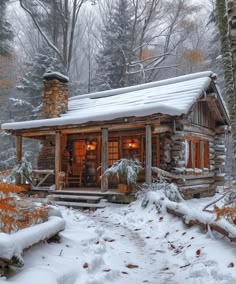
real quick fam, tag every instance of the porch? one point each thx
(76, 158)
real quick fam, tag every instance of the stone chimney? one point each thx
(55, 98)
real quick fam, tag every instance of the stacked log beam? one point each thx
(220, 156)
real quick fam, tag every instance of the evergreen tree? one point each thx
(214, 49)
(7, 62)
(31, 82)
(6, 34)
(116, 54)
(227, 62)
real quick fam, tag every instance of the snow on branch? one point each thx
(40, 30)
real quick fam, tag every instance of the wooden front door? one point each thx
(83, 163)
(91, 163)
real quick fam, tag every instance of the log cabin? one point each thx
(177, 125)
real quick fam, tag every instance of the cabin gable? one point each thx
(209, 110)
(202, 115)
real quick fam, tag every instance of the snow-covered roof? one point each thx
(172, 97)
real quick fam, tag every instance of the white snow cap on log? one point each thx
(14, 244)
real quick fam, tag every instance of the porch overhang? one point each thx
(125, 123)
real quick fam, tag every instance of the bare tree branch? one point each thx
(40, 30)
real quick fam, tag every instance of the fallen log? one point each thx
(203, 219)
(13, 245)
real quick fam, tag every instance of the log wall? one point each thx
(194, 182)
(220, 156)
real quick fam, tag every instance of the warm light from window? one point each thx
(132, 144)
(91, 146)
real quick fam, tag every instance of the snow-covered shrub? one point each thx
(164, 190)
(22, 168)
(172, 193)
(125, 170)
(18, 212)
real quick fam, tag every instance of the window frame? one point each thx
(198, 153)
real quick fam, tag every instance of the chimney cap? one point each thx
(55, 75)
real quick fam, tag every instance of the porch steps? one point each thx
(81, 192)
(77, 201)
(63, 197)
(81, 205)
(84, 194)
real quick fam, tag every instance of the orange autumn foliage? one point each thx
(147, 54)
(17, 212)
(7, 72)
(228, 213)
(193, 56)
(5, 84)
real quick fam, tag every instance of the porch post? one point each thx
(18, 148)
(104, 181)
(57, 159)
(148, 148)
(18, 155)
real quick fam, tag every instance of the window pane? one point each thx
(113, 152)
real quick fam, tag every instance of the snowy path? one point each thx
(163, 252)
(109, 249)
(129, 245)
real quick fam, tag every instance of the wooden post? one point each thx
(18, 156)
(18, 148)
(104, 182)
(158, 151)
(148, 148)
(57, 159)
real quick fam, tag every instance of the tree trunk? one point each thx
(229, 65)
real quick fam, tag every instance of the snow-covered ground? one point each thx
(127, 244)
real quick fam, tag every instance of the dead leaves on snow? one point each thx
(131, 266)
(109, 240)
(231, 264)
(198, 252)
